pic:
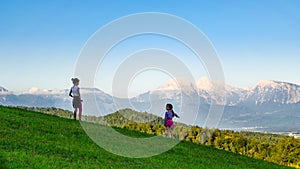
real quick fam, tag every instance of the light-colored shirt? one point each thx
(75, 90)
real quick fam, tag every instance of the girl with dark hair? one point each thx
(168, 122)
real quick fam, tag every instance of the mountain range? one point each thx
(268, 106)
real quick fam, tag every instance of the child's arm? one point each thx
(165, 119)
(176, 115)
(70, 93)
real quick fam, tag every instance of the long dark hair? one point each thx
(170, 106)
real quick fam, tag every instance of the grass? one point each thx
(35, 140)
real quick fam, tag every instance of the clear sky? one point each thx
(41, 40)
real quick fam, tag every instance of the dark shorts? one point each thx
(76, 102)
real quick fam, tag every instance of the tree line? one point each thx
(272, 148)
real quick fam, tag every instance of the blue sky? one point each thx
(41, 40)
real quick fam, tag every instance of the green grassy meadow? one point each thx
(35, 140)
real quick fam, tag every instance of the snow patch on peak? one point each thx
(204, 83)
(33, 90)
(267, 83)
(2, 89)
(275, 84)
(169, 85)
(247, 88)
(177, 84)
(214, 86)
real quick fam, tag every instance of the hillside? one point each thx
(35, 140)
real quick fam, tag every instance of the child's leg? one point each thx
(80, 111)
(75, 112)
(169, 132)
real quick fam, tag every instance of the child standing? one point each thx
(75, 93)
(168, 119)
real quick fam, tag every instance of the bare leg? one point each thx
(169, 132)
(80, 111)
(75, 112)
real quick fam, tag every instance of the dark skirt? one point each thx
(76, 102)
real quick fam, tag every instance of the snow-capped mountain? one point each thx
(269, 91)
(261, 105)
(178, 84)
(269, 103)
(2, 89)
(220, 92)
(265, 92)
(175, 87)
(58, 98)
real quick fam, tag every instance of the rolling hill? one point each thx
(36, 140)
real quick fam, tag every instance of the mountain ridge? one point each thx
(203, 83)
(261, 105)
